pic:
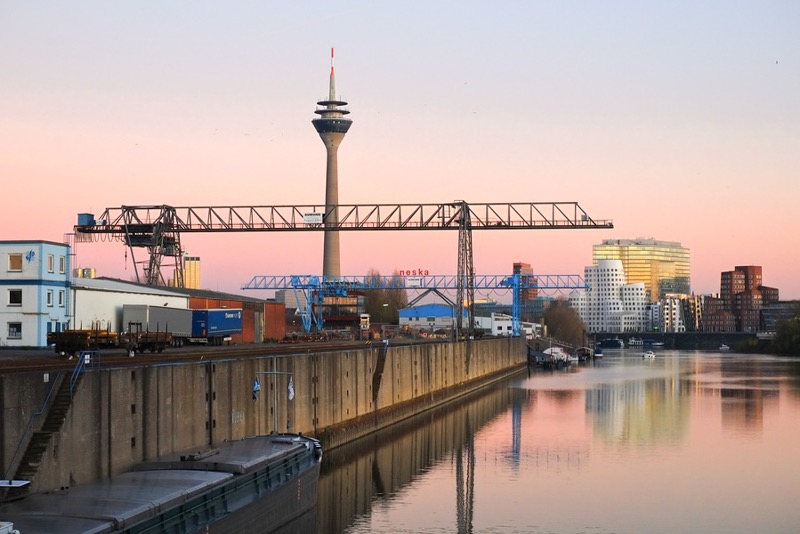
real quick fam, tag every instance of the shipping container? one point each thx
(216, 325)
(147, 318)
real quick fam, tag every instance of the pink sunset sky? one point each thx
(678, 121)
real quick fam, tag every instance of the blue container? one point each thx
(216, 323)
(86, 219)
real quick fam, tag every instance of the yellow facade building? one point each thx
(191, 272)
(663, 266)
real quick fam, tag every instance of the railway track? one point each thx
(21, 361)
(25, 361)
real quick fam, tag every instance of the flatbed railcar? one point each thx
(71, 342)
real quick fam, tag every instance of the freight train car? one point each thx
(71, 342)
(215, 326)
(154, 328)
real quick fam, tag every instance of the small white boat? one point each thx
(724, 347)
(635, 342)
(649, 354)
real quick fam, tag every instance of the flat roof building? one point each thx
(34, 291)
(662, 266)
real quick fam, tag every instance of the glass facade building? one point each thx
(662, 266)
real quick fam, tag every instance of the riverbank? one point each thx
(119, 417)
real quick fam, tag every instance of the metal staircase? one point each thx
(40, 440)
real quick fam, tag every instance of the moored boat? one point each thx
(724, 347)
(185, 493)
(585, 354)
(635, 342)
(611, 343)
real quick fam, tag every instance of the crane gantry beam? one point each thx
(158, 227)
(323, 286)
(496, 216)
(428, 281)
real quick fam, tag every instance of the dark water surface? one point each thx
(688, 442)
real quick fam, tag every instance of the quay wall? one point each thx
(125, 415)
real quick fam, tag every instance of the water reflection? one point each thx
(622, 446)
(378, 467)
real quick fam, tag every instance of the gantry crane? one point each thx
(157, 228)
(315, 288)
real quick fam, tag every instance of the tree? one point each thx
(787, 337)
(384, 305)
(564, 323)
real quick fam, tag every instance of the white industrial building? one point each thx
(610, 305)
(34, 285)
(502, 324)
(428, 317)
(98, 302)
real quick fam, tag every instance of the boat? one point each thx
(648, 354)
(635, 342)
(724, 347)
(187, 492)
(585, 354)
(653, 343)
(557, 355)
(611, 343)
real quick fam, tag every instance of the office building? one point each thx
(662, 266)
(610, 304)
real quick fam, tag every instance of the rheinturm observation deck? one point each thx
(331, 125)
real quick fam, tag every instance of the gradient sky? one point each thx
(678, 120)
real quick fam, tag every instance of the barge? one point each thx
(185, 493)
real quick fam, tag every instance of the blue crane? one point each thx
(315, 288)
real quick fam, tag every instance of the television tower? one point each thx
(331, 127)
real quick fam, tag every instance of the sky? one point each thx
(677, 120)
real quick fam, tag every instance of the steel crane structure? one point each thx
(315, 288)
(157, 228)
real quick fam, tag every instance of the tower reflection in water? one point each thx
(357, 476)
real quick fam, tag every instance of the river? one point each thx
(686, 442)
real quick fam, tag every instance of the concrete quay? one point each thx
(120, 417)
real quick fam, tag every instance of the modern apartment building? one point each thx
(34, 291)
(662, 266)
(666, 315)
(742, 297)
(715, 317)
(610, 304)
